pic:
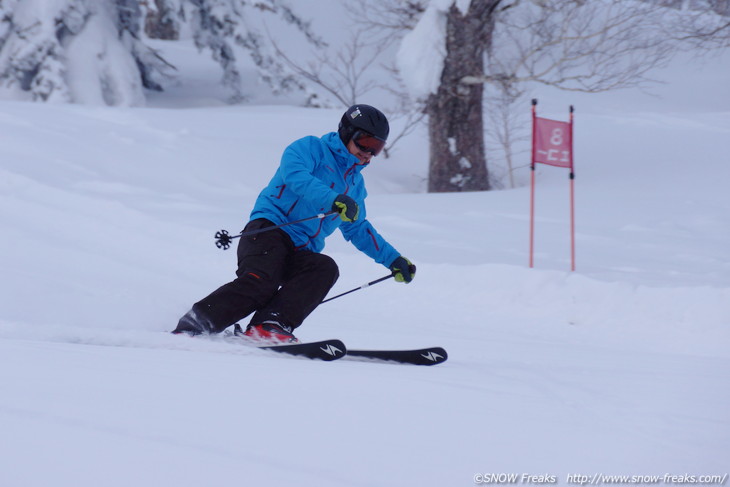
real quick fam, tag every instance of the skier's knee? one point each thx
(257, 284)
(329, 268)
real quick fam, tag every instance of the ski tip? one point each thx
(434, 356)
(423, 356)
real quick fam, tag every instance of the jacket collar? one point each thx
(342, 155)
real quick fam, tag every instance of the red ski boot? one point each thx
(270, 333)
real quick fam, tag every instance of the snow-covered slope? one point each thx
(107, 220)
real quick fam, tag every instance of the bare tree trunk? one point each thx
(160, 23)
(456, 129)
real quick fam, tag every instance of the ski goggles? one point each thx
(368, 142)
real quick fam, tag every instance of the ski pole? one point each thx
(412, 268)
(384, 278)
(223, 239)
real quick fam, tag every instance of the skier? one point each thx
(282, 276)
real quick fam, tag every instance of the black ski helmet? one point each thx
(366, 118)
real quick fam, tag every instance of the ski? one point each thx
(334, 349)
(423, 356)
(326, 350)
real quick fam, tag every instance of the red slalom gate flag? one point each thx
(552, 144)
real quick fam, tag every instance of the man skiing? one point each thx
(282, 276)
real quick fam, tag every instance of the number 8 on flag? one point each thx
(553, 143)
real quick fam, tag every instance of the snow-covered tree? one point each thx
(161, 21)
(6, 19)
(704, 24)
(587, 46)
(221, 25)
(30, 49)
(449, 49)
(153, 69)
(93, 51)
(85, 51)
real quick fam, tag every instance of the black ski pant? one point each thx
(274, 279)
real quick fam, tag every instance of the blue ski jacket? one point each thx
(312, 172)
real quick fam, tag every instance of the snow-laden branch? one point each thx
(93, 51)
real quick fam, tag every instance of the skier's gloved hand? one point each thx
(346, 207)
(403, 269)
